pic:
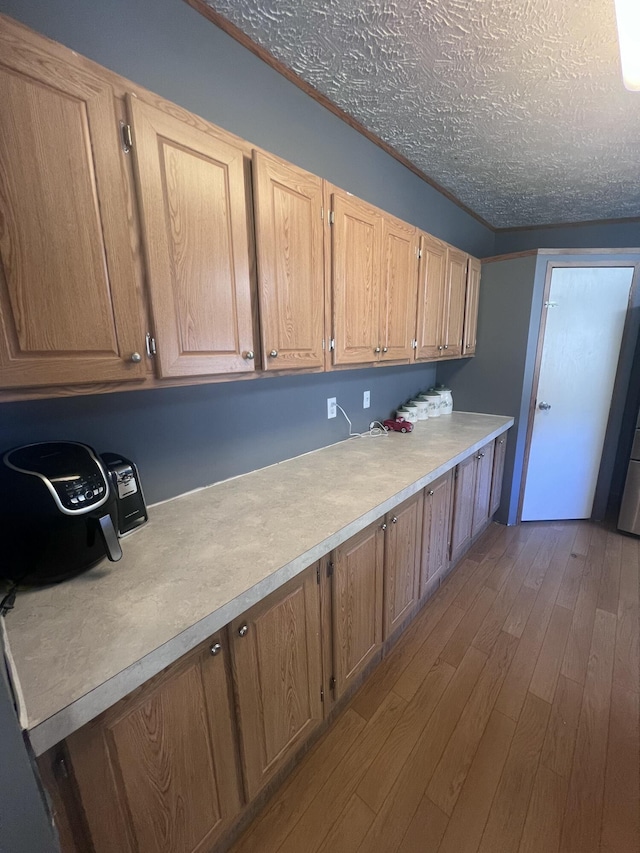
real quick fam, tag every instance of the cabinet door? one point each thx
(482, 498)
(463, 503)
(403, 540)
(357, 604)
(454, 302)
(431, 297)
(289, 234)
(399, 289)
(157, 773)
(191, 188)
(471, 306)
(277, 670)
(498, 473)
(69, 309)
(436, 530)
(355, 272)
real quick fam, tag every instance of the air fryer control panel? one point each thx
(80, 492)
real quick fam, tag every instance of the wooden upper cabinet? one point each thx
(157, 773)
(357, 597)
(431, 297)
(356, 235)
(191, 188)
(399, 289)
(277, 670)
(471, 306)
(289, 235)
(454, 302)
(403, 540)
(69, 310)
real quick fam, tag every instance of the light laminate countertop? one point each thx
(204, 558)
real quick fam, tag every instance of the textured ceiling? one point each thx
(515, 106)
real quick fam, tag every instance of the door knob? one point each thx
(544, 406)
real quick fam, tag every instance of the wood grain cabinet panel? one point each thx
(399, 290)
(403, 540)
(454, 303)
(482, 494)
(69, 310)
(191, 189)
(431, 297)
(498, 473)
(277, 670)
(356, 235)
(289, 243)
(157, 773)
(474, 268)
(463, 502)
(357, 598)
(436, 530)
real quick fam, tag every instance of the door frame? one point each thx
(627, 331)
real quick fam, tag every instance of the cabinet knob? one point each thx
(385, 349)
(430, 492)
(394, 520)
(446, 346)
(501, 441)
(383, 526)
(482, 455)
(216, 648)
(135, 357)
(440, 347)
(377, 349)
(248, 355)
(274, 353)
(243, 631)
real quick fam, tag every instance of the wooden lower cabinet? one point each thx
(157, 773)
(462, 518)
(277, 673)
(357, 598)
(482, 492)
(436, 531)
(403, 539)
(498, 473)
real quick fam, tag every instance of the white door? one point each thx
(583, 333)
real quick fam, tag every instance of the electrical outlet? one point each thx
(366, 399)
(331, 407)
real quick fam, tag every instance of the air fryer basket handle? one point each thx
(110, 538)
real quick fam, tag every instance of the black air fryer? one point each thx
(57, 512)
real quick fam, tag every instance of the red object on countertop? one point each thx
(397, 425)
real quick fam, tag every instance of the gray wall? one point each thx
(493, 381)
(611, 235)
(182, 438)
(24, 823)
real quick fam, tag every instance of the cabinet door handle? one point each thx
(377, 349)
(243, 631)
(446, 346)
(135, 357)
(440, 347)
(274, 353)
(430, 492)
(385, 349)
(248, 355)
(482, 455)
(394, 520)
(383, 526)
(215, 649)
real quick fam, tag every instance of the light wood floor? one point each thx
(506, 720)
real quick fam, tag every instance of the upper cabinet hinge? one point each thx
(151, 345)
(127, 138)
(332, 217)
